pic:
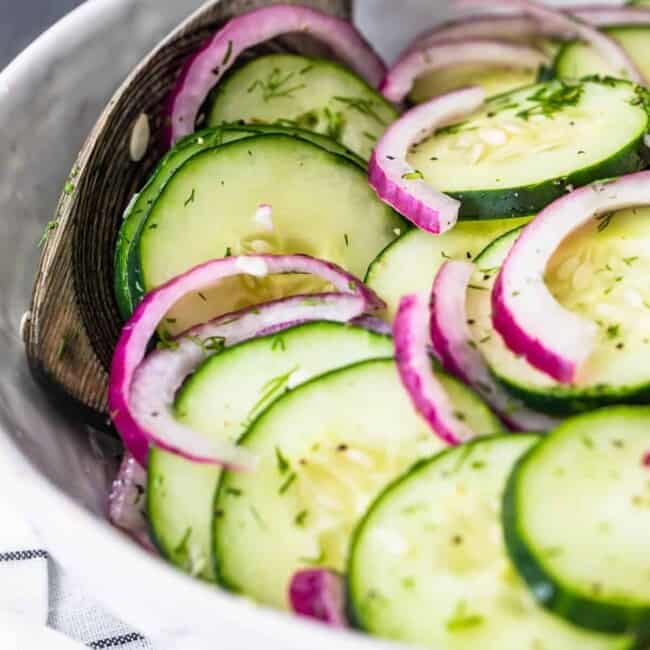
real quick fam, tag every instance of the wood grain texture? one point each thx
(75, 323)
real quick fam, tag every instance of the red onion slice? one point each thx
(204, 70)
(411, 336)
(163, 372)
(401, 186)
(510, 28)
(132, 346)
(126, 501)
(520, 28)
(566, 26)
(525, 313)
(401, 77)
(604, 15)
(319, 594)
(452, 339)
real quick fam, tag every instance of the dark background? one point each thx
(21, 21)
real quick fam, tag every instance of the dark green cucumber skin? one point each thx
(563, 401)
(530, 199)
(354, 618)
(127, 275)
(151, 529)
(556, 597)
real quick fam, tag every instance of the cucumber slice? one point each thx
(428, 564)
(218, 403)
(600, 273)
(322, 206)
(128, 285)
(324, 453)
(576, 518)
(494, 81)
(410, 263)
(526, 148)
(313, 94)
(576, 60)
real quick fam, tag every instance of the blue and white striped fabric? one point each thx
(34, 589)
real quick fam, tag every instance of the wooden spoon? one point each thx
(74, 321)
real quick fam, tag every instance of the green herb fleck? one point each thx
(283, 464)
(68, 188)
(182, 548)
(166, 341)
(214, 344)
(408, 582)
(604, 220)
(335, 123)
(363, 106)
(64, 345)
(462, 619)
(552, 98)
(415, 175)
(452, 129)
(314, 561)
(49, 227)
(278, 344)
(346, 239)
(288, 483)
(613, 332)
(258, 518)
(228, 54)
(276, 85)
(190, 198)
(301, 518)
(630, 260)
(234, 492)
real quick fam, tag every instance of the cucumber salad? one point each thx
(385, 361)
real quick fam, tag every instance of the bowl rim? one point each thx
(46, 505)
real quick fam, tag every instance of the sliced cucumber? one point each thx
(410, 262)
(600, 273)
(428, 564)
(322, 206)
(576, 60)
(577, 516)
(325, 451)
(128, 284)
(526, 148)
(216, 402)
(313, 94)
(494, 81)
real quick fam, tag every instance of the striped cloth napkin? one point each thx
(35, 591)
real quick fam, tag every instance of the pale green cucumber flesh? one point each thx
(325, 451)
(600, 273)
(429, 565)
(216, 402)
(128, 283)
(494, 81)
(576, 60)
(576, 518)
(313, 94)
(410, 263)
(524, 149)
(322, 206)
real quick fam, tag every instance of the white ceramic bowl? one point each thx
(49, 98)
